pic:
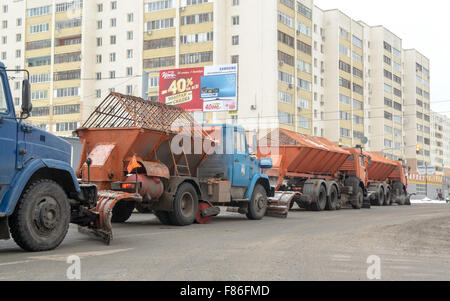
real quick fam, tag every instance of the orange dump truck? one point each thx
(327, 176)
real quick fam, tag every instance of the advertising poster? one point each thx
(203, 89)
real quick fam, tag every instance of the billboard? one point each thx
(426, 170)
(202, 89)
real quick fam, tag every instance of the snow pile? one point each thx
(427, 201)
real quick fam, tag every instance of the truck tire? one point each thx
(333, 199)
(380, 198)
(185, 206)
(122, 211)
(321, 202)
(257, 207)
(41, 219)
(400, 199)
(163, 217)
(388, 198)
(359, 199)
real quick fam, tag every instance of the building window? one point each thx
(129, 53)
(66, 126)
(235, 20)
(129, 35)
(66, 109)
(113, 40)
(113, 22)
(195, 58)
(286, 118)
(158, 5)
(160, 24)
(129, 71)
(130, 17)
(112, 74)
(129, 89)
(235, 40)
(304, 123)
(113, 5)
(39, 28)
(99, 8)
(165, 42)
(159, 62)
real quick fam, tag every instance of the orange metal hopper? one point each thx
(304, 156)
(380, 168)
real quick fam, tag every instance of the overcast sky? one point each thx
(423, 25)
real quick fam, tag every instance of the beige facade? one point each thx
(417, 109)
(301, 68)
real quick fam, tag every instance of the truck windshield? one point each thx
(3, 105)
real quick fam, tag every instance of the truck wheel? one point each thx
(321, 200)
(401, 200)
(388, 198)
(359, 199)
(163, 217)
(185, 206)
(122, 211)
(41, 219)
(380, 198)
(257, 207)
(333, 199)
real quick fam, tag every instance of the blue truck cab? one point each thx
(39, 192)
(244, 184)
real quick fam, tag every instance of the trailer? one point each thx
(326, 176)
(147, 154)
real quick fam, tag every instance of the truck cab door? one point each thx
(241, 174)
(8, 138)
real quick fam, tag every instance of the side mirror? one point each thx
(266, 163)
(27, 106)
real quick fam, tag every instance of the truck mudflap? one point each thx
(102, 227)
(278, 205)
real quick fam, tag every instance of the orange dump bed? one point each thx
(380, 168)
(303, 154)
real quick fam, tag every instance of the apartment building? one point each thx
(385, 92)
(112, 50)
(300, 67)
(76, 53)
(12, 35)
(447, 147)
(342, 78)
(437, 142)
(417, 109)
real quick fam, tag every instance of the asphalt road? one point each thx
(412, 243)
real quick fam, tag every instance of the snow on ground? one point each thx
(427, 201)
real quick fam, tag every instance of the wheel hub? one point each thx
(187, 204)
(46, 217)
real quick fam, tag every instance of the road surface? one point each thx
(412, 243)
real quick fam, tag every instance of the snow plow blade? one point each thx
(102, 227)
(280, 204)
